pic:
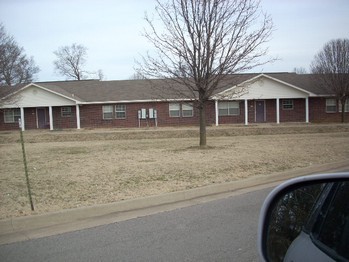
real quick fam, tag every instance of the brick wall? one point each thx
(318, 114)
(234, 119)
(270, 110)
(297, 114)
(92, 116)
(6, 126)
(62, 122)
(30, 118)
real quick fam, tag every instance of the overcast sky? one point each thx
(112, 31)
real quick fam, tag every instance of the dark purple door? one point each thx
(41, 117)
(260, 111)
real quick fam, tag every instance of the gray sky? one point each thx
(112, 31)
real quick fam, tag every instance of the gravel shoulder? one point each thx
(104, 166)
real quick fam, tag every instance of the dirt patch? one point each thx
(69, 174)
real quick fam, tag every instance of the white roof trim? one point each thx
(290, 85)
(53, 92)
(43, 88)
(134, 101)
(14, 93)
(253, 79)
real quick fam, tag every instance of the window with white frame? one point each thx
(12, 115)
(108, 112)
(331, 105)
(228, 108)
(120, 111)
(66, 111)
(187, 110)
(346, 107)
(287, 104)
(174, 109)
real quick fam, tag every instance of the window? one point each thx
(120, 111)
(187, 110)
(66, 111)
(107, 112)
(228, 108)
(331, 105)
(174, 109)
(12, 115)
(287, 104)
(346, 107)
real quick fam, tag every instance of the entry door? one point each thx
(260, 111)
(41, 114)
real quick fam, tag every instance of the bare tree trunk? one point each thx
(343, 110)
(202, 110)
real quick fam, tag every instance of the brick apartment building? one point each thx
(241, 99)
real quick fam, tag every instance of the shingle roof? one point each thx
(99, 91)
(143, 90)
(305, 81)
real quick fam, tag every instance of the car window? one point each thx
(334, 230)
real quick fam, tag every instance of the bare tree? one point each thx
(15, 66)
(203, 41)
(71, 61)
(100, 74)
(136, 76)
(331, 67)
(300, 70)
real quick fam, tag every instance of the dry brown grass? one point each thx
(81, 173)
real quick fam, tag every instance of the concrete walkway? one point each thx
(31, 227)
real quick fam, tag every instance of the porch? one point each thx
(262, 111)
(49, 117)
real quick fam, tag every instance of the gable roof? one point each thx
(305, 81)
(95, 91)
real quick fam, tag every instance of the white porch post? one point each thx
(77, 117)
(216, 111)
(307, 110)
(278, 110)
(246, 112)
(51, 117)
(22, 118)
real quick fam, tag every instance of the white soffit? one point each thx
(264, 87)
(34, 96)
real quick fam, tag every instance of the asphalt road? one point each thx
(220, 230)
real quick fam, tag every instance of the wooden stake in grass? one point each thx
(26, 167)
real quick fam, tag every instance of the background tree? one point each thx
(15, 66)
(331, 66)
(136, 76)
(71, 61)
(203, 41)
(300, 70)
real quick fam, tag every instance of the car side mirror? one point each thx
(306, 219)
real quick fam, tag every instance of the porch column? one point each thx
(22, 119)
(216, 111)
(307, 110)
(51, 117)
(278, 110)
(246, 112)
(77, 117)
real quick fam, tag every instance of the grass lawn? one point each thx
(70, 174)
